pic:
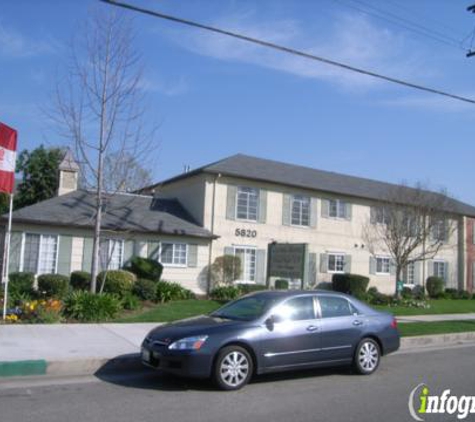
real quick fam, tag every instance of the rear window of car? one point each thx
(332, 306)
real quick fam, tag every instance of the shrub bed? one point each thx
(145, 268)
(225, 293)
(435, 287)
(20, 286)
(53, 285)
(89, 307)
(281, 284)
(353, 284)
(145, 289)
(80, 280)
(117, 282)
(168, 291)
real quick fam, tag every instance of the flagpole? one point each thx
(6, 256)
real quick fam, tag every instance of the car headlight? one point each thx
(188, 343)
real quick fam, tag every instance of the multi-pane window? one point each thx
(439, 230)
(248, 263)
(174, 253)
(382, 265)
(337, 208)
(336, 263)
(440, 269)
(409, 273)
(247, 203)
(381, 215)
(111, 254)
(40, 253)
(300, 210)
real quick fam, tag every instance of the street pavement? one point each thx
(317, 395)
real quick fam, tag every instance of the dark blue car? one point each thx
(273, 331)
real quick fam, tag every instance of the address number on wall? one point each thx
(245, 233)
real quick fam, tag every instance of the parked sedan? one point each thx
(273, 331)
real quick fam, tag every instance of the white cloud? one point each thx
(13, 44)
(351, 39)
(170, 88)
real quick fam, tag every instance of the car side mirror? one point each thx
(272, 320)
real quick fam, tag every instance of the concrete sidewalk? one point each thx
(436, 318)
(73, 349)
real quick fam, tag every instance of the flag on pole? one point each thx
(8, 147)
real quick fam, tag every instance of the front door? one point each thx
(294, 338)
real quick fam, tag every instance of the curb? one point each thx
(85, 366)
(132, 362)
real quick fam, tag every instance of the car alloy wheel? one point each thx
(367, 356)
(233, 368)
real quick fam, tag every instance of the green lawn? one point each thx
(439, 327)
(440, 306)
(172, 311)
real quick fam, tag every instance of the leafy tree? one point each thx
(225, 269)
(39, 170)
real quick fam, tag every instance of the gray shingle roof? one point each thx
(254, 168)
(124, 212)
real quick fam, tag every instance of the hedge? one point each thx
(353, 284)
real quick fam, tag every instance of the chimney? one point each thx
(68, 174)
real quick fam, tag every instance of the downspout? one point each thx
(208, 287)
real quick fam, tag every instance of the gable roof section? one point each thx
(260, 169)
(124, 212)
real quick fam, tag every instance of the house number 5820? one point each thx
(245, 233)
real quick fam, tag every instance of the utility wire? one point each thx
(393, 18)
(289, 50)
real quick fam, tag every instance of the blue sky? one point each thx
(215, 97)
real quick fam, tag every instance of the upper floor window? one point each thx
(111, 254)
(380, 215)
(40, 253)
(336, 263)
(300, 210)
(174, 254)
(247, 203)
(383, 265)
(440, 269)
(337, 208)
(439, 229)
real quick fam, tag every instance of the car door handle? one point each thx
(312, 328)
(357, 322)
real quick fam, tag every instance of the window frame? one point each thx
(408, 271)
(242, 280)
(109, 241)
(340, 206)
(351, 307)
(173, 264)
(336, 255)
(302, 200)
(248, 194)
(22, 251)
(385, 258)
(439, 262)
(312, 298)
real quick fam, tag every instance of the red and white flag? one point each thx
(8, 146)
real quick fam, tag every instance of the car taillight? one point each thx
(394, 323)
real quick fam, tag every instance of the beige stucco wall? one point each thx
(329, 235)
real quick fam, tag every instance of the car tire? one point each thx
(233, 368)
(367, 356)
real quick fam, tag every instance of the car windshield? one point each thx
(246, 309)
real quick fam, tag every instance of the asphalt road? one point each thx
(320, 395)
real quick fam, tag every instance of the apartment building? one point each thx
(242, 206)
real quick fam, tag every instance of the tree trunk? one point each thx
(398, 277)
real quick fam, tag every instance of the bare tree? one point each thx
(411, 225)
(100, 106)
(123, 172)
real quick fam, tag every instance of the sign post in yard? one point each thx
(8, 148)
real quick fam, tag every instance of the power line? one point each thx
(289, 50)
(402, 22)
